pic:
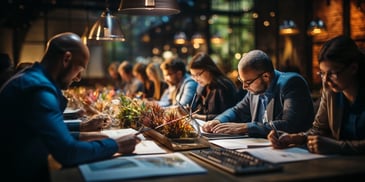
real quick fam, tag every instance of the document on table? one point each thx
(241, 143)
(140, 166)
(283, 155)
(148, 147)
(144, 147)
(115, 133)
(72, 121)
(70, 113)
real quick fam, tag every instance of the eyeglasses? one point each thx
(197, 75)
(332, 74)
(249, 82)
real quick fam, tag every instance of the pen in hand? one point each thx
(142, 129)
(274, 128)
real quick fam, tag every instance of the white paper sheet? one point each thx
(241, 143)
(283, 155)
(144, 147)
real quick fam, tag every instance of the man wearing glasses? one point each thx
(282, 99)
(181, 86)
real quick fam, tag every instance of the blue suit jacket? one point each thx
(290, 107)
(185, 91)
(31, 108)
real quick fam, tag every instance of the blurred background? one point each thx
(291, 32)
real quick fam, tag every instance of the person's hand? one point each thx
(96, 123)
(322, 145)
(208, 126)
(276, 143)
(90, 136)
(199, 116)
(81, 113)
(285, 140)
(230, 128)
(127, 143)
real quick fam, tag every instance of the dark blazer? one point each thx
(290, 107)
(222, 96)
(329, 120)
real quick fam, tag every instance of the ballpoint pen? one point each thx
(265, 120)
(274, 128)
(142, 129)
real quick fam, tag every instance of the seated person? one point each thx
(339, 124)
(115, 78)
(181, 86)
(154, 74)
(215, 92)
(132, 87)
(32, 103)
(139, 72)
(273, 96)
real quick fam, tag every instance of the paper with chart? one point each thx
(140, 166)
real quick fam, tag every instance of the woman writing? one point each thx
(339, 124)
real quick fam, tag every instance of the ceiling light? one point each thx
(107, 27)
(316, 27)
(180, 38)
(149, 7)
(288, 28)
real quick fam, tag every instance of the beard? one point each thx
(259, 91)
(63, 78)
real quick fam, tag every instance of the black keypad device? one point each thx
(235, 162)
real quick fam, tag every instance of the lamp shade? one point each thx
(316, 27)
(149, 7)
(180, 38)
(216, 39)
(288, 28)
(107, 27)
(197, 38)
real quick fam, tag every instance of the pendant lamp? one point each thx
(316, 27)
(107, 27)
(149, 7)
(288, 28)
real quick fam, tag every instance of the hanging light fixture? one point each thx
(107, 27)
(180, 38)
(288, 28)
(149, 7)
(316, 27)
(84, 35)
(217, 39)
(197, 38)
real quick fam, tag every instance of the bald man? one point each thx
(280, 98)
(31, 107)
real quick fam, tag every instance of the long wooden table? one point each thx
(339, 168)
